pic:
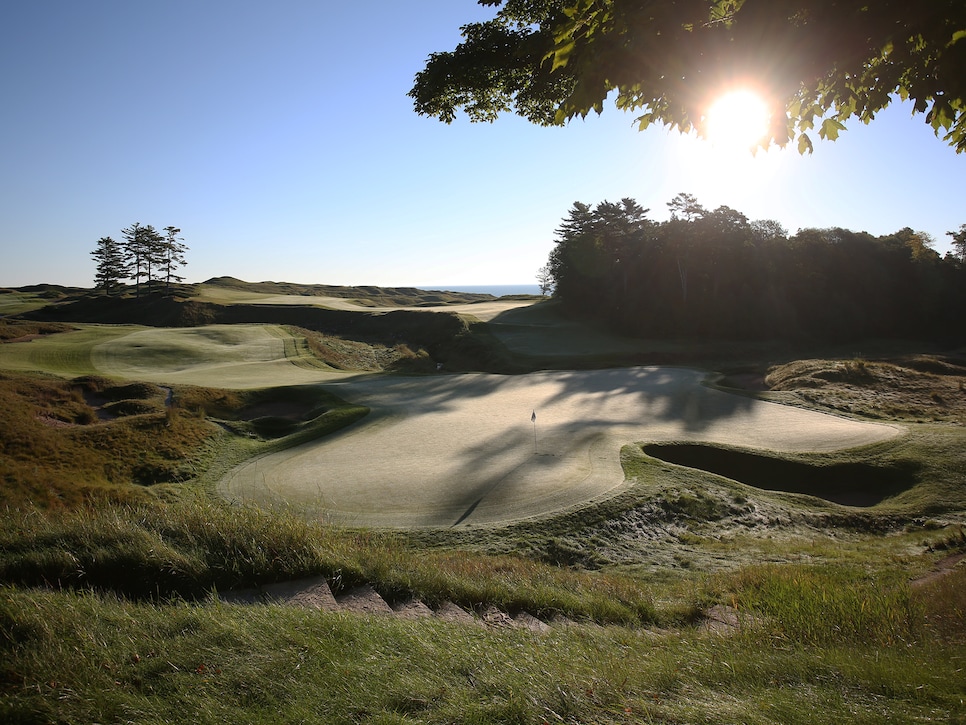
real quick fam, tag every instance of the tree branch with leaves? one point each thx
(817, 63)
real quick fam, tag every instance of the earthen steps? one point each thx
(315, 593)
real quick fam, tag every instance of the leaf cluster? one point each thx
(818, 63)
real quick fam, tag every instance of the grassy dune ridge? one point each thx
(812, 642)
(835, 613)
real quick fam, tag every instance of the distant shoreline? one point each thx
(497, 290)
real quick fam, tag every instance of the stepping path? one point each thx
(315, 593)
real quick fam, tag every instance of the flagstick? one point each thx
(533, 419)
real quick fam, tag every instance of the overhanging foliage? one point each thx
(817, 62)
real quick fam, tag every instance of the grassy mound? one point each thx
(63, 443)
(186, 549)
(807, 645)
(907, 388)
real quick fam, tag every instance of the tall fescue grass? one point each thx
(189, 548)
(65, 443)
(828, 605)
(95, 658)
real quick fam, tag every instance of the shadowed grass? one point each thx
(187, 548)
(66, 442)
(93, 658)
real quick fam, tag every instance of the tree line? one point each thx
(143, 254)
(715, 274)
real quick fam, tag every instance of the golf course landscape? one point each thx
(551, 522)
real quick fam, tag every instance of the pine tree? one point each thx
(112, 264)
(136, 249)
(154, 253)
(173, 250)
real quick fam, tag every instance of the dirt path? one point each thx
(461, 449)
(945, 566)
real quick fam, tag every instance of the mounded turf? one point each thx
(483, 310)
(444, 450)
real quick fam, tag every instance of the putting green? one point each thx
(462, 449)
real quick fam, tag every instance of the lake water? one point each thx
(497, 290)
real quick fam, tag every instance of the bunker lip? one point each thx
(461, 450)
(849, 484)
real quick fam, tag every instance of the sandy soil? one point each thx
(462, 449)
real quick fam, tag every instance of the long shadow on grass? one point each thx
(497, 482)
(849, 484)
(659, 394)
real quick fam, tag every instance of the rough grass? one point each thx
(95, 658)
(56, 451)
(11, 330)
(830, 628)
(916, 388)
(186, 549)
(813, 644)
(345, 354)
(63, 443)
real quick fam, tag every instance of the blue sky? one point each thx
(279, 138)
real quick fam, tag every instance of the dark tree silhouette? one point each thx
(714, 274)
(112, 264)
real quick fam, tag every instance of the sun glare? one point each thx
(738, 120)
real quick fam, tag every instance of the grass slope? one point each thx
(63, 443)
(105, 610)
(814, 644)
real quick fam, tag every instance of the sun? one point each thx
(738, 120)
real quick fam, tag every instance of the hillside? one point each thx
(718, 583)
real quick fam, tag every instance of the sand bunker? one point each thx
(462, 449)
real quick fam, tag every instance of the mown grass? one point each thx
(67, 354)
(18, 301)
(106, 612)
(670, 521)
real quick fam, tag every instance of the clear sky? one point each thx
(279, 138)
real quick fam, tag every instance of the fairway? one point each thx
(220, 356)
(484, 310)
(463, 449)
